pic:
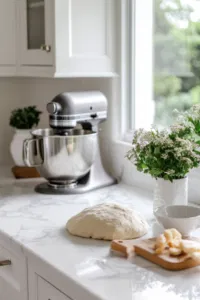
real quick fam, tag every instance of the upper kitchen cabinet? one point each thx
(8, 37)
(36, 32)
(67, 38)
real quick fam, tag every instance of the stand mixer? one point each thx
(68, 154)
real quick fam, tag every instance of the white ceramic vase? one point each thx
(170, 193)
(16, 146)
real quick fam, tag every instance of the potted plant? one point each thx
(168, 156)
(23, 120)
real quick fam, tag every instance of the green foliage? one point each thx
(165, 86)
(171, 52)
(170, 55)
(176, 9)
(192, 117)
(164, 114)
(162, 24)
(164, 154)
(187, 83)
(25, 118)
(195, 56)
(177, 59)
(195, 94)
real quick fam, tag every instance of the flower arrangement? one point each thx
(168, 154)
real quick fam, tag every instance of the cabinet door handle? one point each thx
(5, 263)
(46, 48)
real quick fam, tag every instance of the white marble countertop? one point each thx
(35, 224)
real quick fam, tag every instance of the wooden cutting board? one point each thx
(25, 172)
(145, 248)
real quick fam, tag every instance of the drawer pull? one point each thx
(5, 263)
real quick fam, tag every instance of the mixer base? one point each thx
(45, 188)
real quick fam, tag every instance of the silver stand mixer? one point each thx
(67, 155)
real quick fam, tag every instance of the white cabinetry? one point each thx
(40, 288)
(13, 277)
(8, 23)
(46, 291)
(67, 38)
(36, 31)
(20, 281)
(58, 38)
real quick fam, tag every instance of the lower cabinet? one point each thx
(41, 284)
(46, 291)
(13, 275)
(19, 281)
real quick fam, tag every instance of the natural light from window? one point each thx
(164, 61)
(176, 50)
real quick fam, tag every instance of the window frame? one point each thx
(121, 85)
(120, 108)
(131, 60)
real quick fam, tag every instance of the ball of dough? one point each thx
(107, 221)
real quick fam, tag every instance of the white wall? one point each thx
(16, 93)
(10, 98)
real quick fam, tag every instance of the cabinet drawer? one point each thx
(13, 278)
(48, 292)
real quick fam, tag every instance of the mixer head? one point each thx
(67, 110)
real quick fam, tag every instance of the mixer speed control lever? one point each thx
(93, 116)
(53, 107)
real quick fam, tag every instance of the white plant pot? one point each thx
(16, 146)
(170, 193)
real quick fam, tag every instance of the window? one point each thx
(165, 60)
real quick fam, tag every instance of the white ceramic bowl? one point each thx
(185, 218)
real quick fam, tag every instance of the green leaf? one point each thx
(157, 150)
(25, 118)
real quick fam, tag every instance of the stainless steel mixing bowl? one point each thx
(62, 160)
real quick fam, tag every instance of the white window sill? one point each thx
(124, 170)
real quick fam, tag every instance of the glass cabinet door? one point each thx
(36, 32)
(35, 24)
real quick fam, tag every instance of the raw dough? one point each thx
(107, 221)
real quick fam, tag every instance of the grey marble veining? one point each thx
(36, 224)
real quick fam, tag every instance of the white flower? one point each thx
(187, 160)
(196, 109)
(170, 172)
(177, 127)
(175, 111)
